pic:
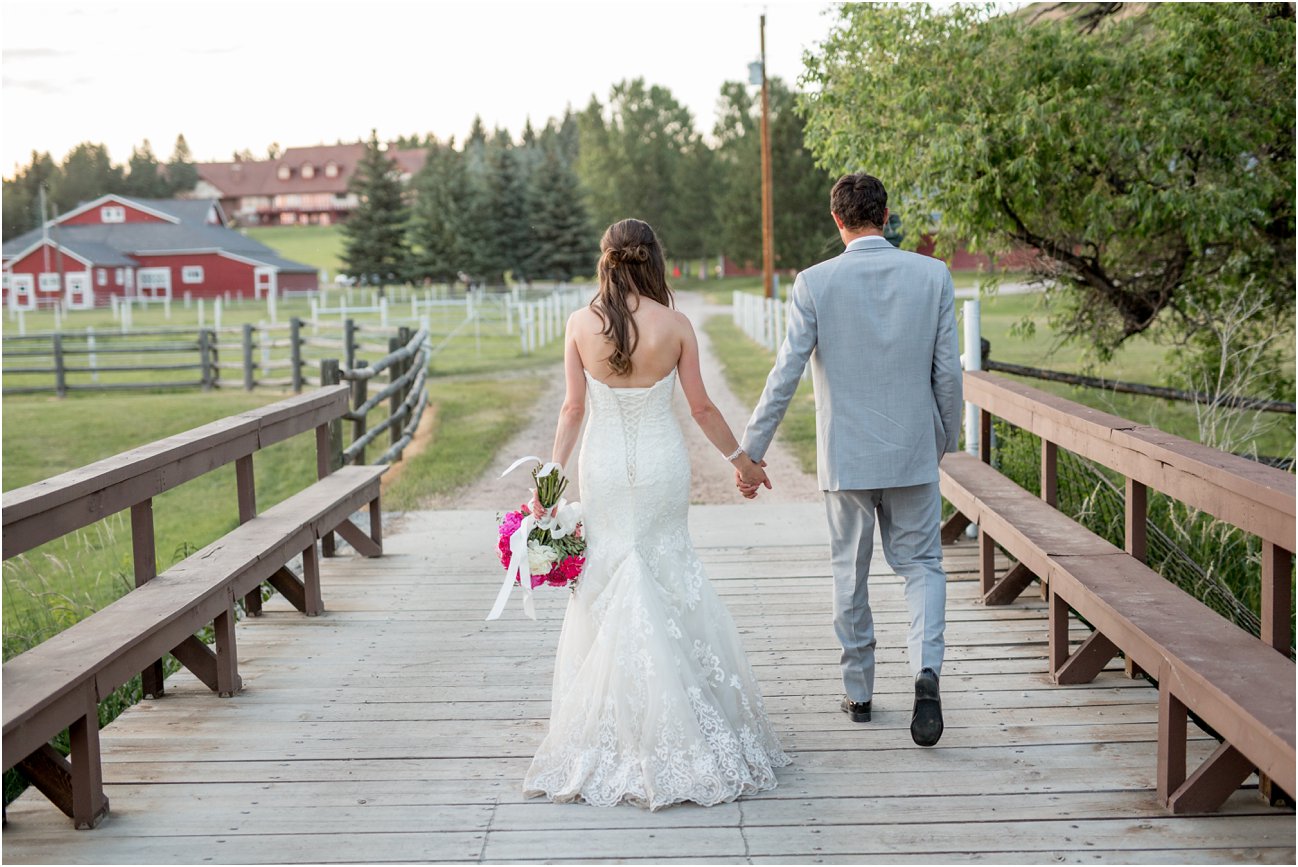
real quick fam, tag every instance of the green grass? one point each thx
(321, 246)
(83, 571)
(718, 291)
(474, 418)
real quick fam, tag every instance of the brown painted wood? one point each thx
(145, 560)
(984, 435)
(314, 599)
(1137, 520)
(290, 587)
(1050, 472)
(51, 774)
(89, 805)
(355, 536)
(954, 528)
(1086, 661)
(1009, 588)
(246, 487)
(1252, 496)
(376, 522)
(199, 659)
(1171, 740)
(1277, 590)
(227, 656)
(1215, 780)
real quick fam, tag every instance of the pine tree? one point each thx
(143, 177)
(182, 174)
(506, 213)
(87, 173)
(563, 243)
(375, 234)
(437, 215)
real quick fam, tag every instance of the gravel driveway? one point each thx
(713, 478)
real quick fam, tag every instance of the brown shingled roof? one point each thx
(262, 177)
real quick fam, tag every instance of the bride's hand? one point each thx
(538, 511)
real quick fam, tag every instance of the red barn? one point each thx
(142, 248)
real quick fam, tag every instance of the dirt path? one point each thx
(713, 478)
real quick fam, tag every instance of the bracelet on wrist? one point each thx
(736, 453)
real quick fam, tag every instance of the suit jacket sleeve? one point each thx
(948, 380)
(783, 379)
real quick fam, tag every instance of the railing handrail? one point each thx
(1257, 498)
(368, 372)
(53, 507)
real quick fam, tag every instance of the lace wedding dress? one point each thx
(654, 701)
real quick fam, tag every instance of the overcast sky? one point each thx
(231, 74)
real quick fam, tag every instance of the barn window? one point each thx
(112, 214)
(119, 275)
(101, 276)
(308, 171)
(284, 173)
(191, 274)
(50, 283)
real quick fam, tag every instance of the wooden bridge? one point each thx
(397, 724)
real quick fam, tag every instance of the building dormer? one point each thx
(284, 172)
(308, 171)
(331, 169)
(113, 210)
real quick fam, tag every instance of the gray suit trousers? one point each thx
(909, 522)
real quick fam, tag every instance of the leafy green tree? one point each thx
(374, 235)
(85, 174)
(182, 174)
(636, 160)
(804, 232)
(144, 178)
(1148, 156)
(437, 215)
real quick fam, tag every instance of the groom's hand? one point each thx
(750, 476)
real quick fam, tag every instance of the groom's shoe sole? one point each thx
(926, 720)
(858, 711)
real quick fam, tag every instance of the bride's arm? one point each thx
(574, 401)
(705, 412)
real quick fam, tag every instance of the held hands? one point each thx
(750, 476)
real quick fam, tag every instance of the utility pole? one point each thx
(768, 231)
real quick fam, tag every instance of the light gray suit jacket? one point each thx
(878, 325)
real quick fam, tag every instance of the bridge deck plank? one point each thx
(395, 727)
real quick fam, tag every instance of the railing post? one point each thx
(92, 359)
(1137, 520)
(248, 380)
(349, 344)
(328, 442)
(145, 559)
(1050, 472)
(360, 392)
(205, 358)
(295, 352)
(395, 371)
(60, 375)
(246, 486)
(1277, 590)
(973, 360)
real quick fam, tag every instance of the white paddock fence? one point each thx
(764, 320)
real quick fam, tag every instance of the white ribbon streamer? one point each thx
(520, 569)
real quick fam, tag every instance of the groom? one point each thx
(878, 325)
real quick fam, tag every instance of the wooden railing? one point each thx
(58, 683)
(1241, 688)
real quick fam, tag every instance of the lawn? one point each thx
(321, 246)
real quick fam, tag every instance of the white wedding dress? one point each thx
(654, 701)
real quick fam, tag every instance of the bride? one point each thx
(654, 701)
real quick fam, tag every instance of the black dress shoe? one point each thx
(926, 720)
(859, 711)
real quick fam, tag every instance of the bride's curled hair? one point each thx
(630, 263)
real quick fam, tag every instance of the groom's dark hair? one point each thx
(859, 200)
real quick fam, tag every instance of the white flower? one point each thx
(540, 558)
(565, 520)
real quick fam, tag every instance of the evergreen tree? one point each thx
(437, 215)
(143, 177)
(506, 215)
(563, 242)
(375, 234)
(86, 174)
(479, 249)
(182, 174)
(22, 195)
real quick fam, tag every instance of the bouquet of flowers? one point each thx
(541, 546)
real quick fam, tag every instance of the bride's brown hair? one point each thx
(630, 263)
